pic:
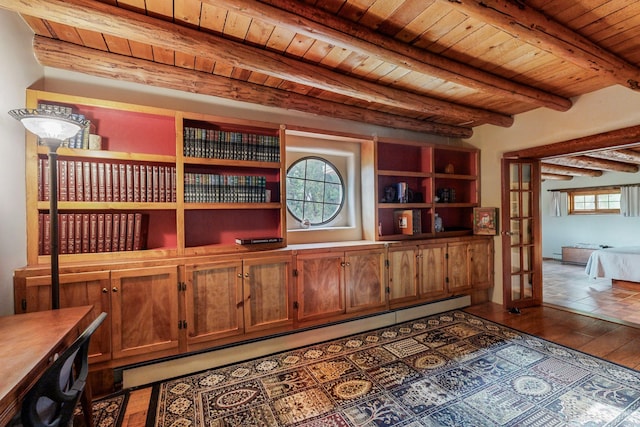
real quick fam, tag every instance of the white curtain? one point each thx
(556, 203)
(630, 200)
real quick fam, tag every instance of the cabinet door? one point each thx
(319, 286)
(481, 263)
(432, 280)
(458, 267)
(365, 279)
(213, 301)
(77, 289)
(267, 293)
(403, 278)
(144, 304)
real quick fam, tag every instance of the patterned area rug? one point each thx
(451, 369)
(107, 411)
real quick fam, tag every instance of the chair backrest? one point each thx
(52, 400)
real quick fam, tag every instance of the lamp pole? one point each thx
(54, 246)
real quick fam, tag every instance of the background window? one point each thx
(315, 190)
(594, 201)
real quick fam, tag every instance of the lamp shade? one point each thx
(48, 125)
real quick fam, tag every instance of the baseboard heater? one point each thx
(140, 375)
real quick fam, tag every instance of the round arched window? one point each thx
(315, 191)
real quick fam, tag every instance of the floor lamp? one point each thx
(52, 128)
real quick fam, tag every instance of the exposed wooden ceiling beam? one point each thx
(557, 169)
(594, 163)
(96, 16)
(312, 22)
(72, 57)
(622, 155)
(555, 177)
(536, 29)
(611, 139)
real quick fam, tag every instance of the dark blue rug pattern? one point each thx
(450, 369)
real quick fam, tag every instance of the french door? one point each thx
(521, 235)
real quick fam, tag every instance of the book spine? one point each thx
(77, 232)
(71, 236)
(129, 181)
(115, 178)
(122, 178)
(108, 182)
(136, 182)
(71, 180)
(143, 183)
(122, 239)
(86, 231)
(93, 233)
(108, 231)
(86, 179)
(162, 195)
(95, 196)
(115, 233)
(79, 182)
(46, 240)
(102, 184)
(62, 181)
(130, 231)
(62, 226)
(100, 234)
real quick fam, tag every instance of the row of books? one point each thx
(211, 188)
(218, 144)
(90, 181)
(81, 139)
(91, 232)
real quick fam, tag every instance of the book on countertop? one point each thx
(257, 240)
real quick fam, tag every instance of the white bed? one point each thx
(615, 263)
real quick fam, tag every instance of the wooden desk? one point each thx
(29, 342)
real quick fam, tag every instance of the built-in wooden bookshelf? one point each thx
(440, 180)
(149, 175)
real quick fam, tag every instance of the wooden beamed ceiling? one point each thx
(440, 67)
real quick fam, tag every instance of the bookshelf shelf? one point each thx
(441, 180)
(140, 167)
(228, 206)
(125, 206)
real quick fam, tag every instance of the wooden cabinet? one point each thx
(365, 280)
(213, 300)
(320, 291)
(458, 267)
(267, 292)
(417, 273)
(163, 183)
(334, 284)
(429, 270)
(141, 303)
(481, 259)
(144, 311)
(230, 298)
(470, 265)
(440, 180)
(432, 264)
(76, 290)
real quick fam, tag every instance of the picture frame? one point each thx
(485, 221)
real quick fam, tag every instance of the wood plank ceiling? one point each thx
(436, 66)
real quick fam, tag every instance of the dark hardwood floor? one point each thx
(614, 341)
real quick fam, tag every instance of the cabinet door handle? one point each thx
(246, 274)
(114, 289)
(240, 275)
(105, 290)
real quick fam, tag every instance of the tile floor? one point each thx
(569, 287)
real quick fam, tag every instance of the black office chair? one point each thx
(52, 400)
